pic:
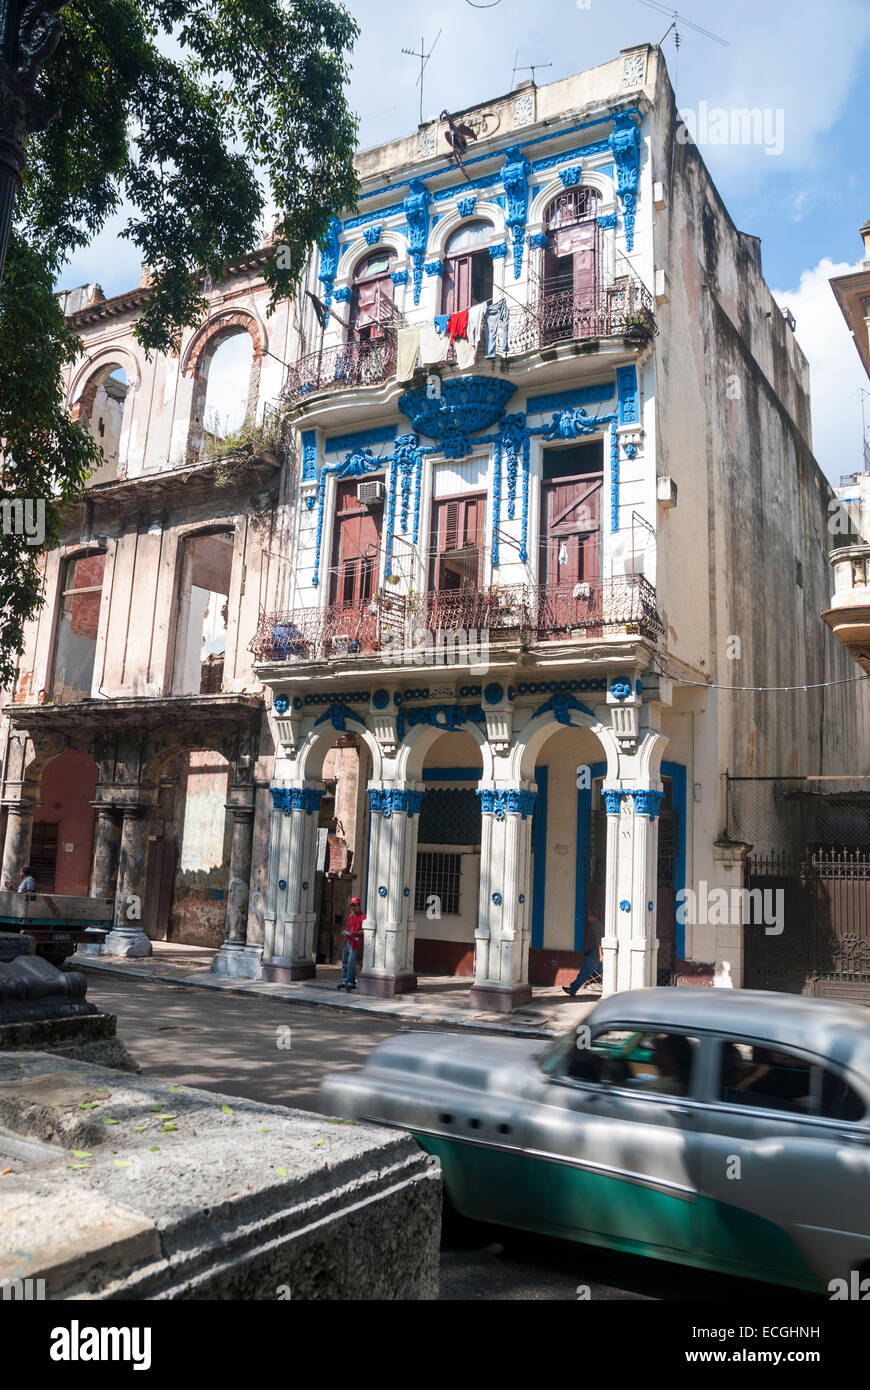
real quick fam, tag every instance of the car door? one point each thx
(620, 1151)
(785, 1165)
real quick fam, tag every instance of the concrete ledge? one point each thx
(227, 1199)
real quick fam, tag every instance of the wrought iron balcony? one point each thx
(338, 368)
(507, 615)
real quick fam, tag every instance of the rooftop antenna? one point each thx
(529, 67)
(424, 58)
(675, 18)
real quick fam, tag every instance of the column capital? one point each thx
(288, 799)
(388, 801)
(502, 801)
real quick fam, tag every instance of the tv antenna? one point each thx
(424, 58)
(680, 19)
(529, 67)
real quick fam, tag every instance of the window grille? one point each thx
(437, 876)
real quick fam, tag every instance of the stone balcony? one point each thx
(849, 614)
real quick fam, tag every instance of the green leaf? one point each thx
(228, 1110)
(165, 1116)
(155, 1148)
(80, 1165)
(104, 1090)
(176, 1090)
(282, 1172)
(169, 1129)
(122, 1163)
(89, 1105)
(139, 1128)
(81, 1153)
(108, 1121)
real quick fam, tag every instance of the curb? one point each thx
(344, 1006)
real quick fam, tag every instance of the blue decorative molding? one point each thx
(337, 715)
(607, 222)
(571, 177)
(309, 456)
(496, 897)
(538, 240)
(524, 538)
(647, 802)
(434, 267)
(625, 905)
(512, 440)
(399, 277)
(406, 464)
(498, 252)
(381, 699)
(551, 687)
(382, 891)
(493, 693)
(574, 424)
(567, 400)
(446, 717)
(389, 801)
(344, 295)
(465, 207)
(329, 254)
(561, 706)
(281, 704)
(467, 404)
(614, 478)
(515, 176)
(373, 234)
(625, 144)
(613, 799)
(626, 384)
(289, 799)
(327, 697)
(510, 801)
(495, 548)
(620, 688)
(416, 207)
(363, 219)
(362, 439)
(638, 688)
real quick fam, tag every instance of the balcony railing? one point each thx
(346, 365)
(512, 614)
(623, 309)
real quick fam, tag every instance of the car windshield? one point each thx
(551, 1056)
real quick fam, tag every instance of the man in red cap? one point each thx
(353, 944)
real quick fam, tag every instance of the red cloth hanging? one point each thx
(457, 325)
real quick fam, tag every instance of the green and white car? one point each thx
(728, 1129)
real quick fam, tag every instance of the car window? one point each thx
(647, 1062)
(778, 1079)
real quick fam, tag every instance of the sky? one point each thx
(804, 191)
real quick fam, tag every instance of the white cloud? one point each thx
(836, 371)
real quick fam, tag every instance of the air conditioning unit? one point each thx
(373, 491)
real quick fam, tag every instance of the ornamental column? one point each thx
(16, 847)
(388, 932)
(235, 958)
(631, 944)
(127, 937)
(107, 845)
(289, 952)
(503, 935)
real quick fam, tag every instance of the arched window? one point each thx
(467, 267)
(225, 388)
(571, 265)
(372, 303)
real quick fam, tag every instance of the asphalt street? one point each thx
(241, 1046)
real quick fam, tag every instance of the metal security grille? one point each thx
(43, 855)
(450, 816)
(810, 839)
(437, 876)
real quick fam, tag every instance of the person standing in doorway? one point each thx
(353, 944)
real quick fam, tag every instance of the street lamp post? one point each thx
(29, 33)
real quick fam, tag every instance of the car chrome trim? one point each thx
(669, 1189)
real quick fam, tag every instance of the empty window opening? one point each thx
(101, 406)
(78, 623)
(203, 614)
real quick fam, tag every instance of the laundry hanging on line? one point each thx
(457, 325)
(466, 349)
(407, 349)
(497, 328)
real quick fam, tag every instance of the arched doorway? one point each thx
(446, 887)
(63, 825)
(371, 307)
(101, 405)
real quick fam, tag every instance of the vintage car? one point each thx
(728, 1129)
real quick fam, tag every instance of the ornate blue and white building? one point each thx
(553, 479)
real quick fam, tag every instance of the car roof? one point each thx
(823, 1026)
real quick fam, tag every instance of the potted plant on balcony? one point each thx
(637, 327)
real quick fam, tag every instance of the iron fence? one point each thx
(515, 613)
(345, 365)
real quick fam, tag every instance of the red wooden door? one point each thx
(356, 549)
(570, 551)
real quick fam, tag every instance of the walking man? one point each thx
(594, 957)
(353, 944)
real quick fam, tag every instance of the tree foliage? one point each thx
(192, 118)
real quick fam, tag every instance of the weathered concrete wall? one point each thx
(193, 1195)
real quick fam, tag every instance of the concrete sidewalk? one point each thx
(438, 999)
